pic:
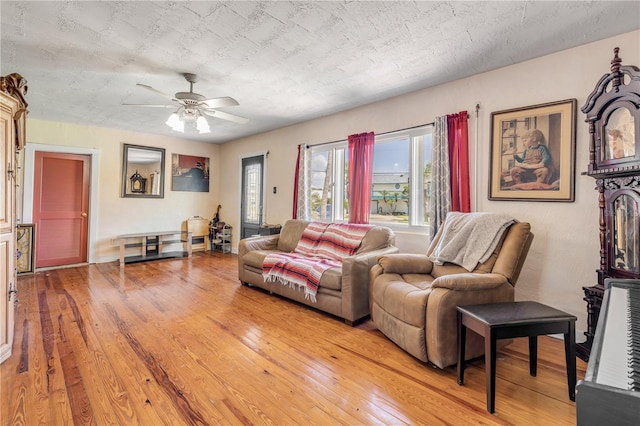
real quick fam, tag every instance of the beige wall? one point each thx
(564, 255)
(112, 215)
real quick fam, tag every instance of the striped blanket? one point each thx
(322, 246)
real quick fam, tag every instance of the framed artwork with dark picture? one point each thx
(189, 173)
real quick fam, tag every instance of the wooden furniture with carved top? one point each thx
(13, 111)
(613, 114)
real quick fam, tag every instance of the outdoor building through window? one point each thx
(400, 191)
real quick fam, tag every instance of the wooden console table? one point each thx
(152, 245)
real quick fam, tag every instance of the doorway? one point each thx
(60, 208)
(252, 196)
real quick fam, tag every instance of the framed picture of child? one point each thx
(533, 153)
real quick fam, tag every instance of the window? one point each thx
(400, 191)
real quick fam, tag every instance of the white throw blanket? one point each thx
(469, 238)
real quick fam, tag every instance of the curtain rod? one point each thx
(377, 134)
(391, 131)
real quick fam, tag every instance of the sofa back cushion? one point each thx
(340, 240)
(378, 237)
(310, 238)
(514, 251)
(290, 234)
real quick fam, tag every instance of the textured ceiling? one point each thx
(284, 62)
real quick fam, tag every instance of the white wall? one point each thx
(564, 254)
(112, 215)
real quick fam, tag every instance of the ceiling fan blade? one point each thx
(152, 106)
(225, 116)
(156, 91)
(220, 102)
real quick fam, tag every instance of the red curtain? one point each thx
(458, 129)
(360, 176)
(295, 186)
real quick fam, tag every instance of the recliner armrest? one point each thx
(469, 281)
(405, 263)
(355, 282)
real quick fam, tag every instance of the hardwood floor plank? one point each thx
(181, 342)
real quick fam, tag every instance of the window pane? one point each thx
(421, 191)
(390, 188)
(252, 191)
(321, 184)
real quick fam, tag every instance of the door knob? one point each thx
(83, 214)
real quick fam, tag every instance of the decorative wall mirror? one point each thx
(142, 171)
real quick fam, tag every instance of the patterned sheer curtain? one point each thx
(440, 203)
(458, 137)
(360, 176)
(302, 184)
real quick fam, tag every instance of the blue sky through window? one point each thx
(391, 157)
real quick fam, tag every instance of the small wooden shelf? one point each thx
(152, 245)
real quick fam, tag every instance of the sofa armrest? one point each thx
(355, 282)
(404, 263)
(263, 242)
(469, 281)
(245, 245)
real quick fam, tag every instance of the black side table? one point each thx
(510, 320)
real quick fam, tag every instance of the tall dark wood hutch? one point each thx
(613, 114)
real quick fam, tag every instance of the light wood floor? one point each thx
(182, 342)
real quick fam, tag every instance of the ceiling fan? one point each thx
(191, 107)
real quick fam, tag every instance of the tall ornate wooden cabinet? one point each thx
(613, 114)
(12, 135)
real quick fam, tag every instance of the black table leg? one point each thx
(462, 337)
(570, 353)
(533, 355)
(490, 367)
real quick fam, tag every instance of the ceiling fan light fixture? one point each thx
(179, 127)
(172, 120)
(192, 107)
(202, 125)
(175, 123)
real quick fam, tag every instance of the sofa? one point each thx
(342, 291)
(413, 299)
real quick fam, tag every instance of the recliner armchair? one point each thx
(413, 301)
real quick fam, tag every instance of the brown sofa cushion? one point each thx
(290, 235)
(332, 279)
